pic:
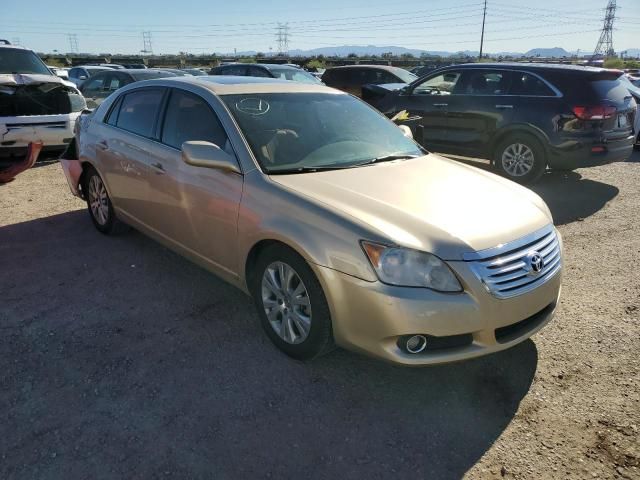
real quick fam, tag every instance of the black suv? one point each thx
(523, 117)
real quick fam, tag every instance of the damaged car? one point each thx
(35, 105)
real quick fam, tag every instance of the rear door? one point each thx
(196, 208)
(429, 100)
(479, 107)
(123, 158)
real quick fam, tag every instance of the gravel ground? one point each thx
(120, 359)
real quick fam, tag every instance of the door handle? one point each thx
(503, 107)
(440, 104)
(158, 166)
(102, 145)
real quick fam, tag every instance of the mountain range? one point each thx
(359, 50)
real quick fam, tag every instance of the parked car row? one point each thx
(342, 229)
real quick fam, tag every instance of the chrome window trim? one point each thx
(558, 93)
(505, 247)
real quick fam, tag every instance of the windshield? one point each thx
(14, 60)
(294, 75)
(405, 75)
(289, 132)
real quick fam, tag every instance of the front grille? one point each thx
(515, 268)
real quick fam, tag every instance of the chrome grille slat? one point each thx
(506, 271)
(518, 255)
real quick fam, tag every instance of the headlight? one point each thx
(410, 268)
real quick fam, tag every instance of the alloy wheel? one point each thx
(517, 159)
(286, 302)
(98, 200)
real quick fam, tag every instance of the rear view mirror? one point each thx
(208, 155)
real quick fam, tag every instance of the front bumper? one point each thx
(371, 317)
(54, 131)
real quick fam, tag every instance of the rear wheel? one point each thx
(291, 304)
(520, 158)
(99, 204)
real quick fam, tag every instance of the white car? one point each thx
(634, 90)
(35, 105)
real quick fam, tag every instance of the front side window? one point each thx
(484, 82)
(139, 110)
(290, 132)
(442, 84)
(190, 117)
(93, 86)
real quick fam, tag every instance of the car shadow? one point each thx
(119, 356)
(569, 195)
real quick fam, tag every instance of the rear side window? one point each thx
(527, 84)
(189, 117)
(139, 110)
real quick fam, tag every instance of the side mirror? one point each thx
(406, 131)
(82, 77)
(208, 155)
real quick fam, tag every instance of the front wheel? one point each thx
(291, 304)
(520, 158)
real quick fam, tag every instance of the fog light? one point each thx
(416, 344)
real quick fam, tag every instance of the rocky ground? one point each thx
(119, 359)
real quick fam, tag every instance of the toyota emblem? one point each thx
(535, 263)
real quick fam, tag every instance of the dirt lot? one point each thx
(119, 359)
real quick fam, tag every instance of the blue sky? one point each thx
(204, 26)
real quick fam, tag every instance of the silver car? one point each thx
(342, 229)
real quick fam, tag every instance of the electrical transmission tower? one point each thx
(146, 41)
(282, 38)
(605, 42)
(73, 42)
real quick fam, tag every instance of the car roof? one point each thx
(230, 84)
(381, 67)
(530, 66)
(15, 47)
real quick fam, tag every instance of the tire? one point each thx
(529, 162)
(288, 307)
(99, 205)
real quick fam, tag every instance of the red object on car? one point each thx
(33, 150)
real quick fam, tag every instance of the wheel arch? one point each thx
(515, 129)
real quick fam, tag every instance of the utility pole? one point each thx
(484, 16)
(604, 46)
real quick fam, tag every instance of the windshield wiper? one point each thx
(386, 158)
(321, 168)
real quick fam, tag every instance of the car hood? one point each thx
(18, 79)
(428, 203)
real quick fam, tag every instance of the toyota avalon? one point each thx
(342, 229)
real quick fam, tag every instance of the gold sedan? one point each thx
(342, 229)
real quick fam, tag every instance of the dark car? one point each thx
(352, 78)
(103, 84)
(523, 117)
(268, 70)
